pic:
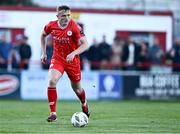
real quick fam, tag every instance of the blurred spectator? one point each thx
(84, 60)
(105, 52)
(175, 55)
(24, 51)
(143, 61)
(117, 47)
(49, 52)
(14, 56)
(156, 53)
(93, 55)
(130, 54)
(5, 49)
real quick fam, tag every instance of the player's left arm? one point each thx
(83, 46)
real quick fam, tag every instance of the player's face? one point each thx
(64, 16)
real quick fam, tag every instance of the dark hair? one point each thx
(63, 7)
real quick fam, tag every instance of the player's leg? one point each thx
(76, 86)
(55, 72)
(53, 76)
(74, 73)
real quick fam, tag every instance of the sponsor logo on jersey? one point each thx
(69, 33)
(63, 40)
(8, 84)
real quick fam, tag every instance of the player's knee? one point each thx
(76, 85)
(77, 89)
(52, 82)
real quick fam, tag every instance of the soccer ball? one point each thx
(79, 119)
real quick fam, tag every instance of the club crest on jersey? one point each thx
(69, 33)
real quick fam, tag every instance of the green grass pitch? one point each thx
(107, 117)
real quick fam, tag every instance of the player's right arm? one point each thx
(46, 31)
(43, 47)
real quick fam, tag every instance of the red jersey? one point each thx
(64, 40)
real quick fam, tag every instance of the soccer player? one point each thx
(68, 42)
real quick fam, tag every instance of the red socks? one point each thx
(82, 96)
(52, 98)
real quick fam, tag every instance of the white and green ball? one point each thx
(79, 119)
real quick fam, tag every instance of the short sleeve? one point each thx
(78, 31)
(47, 28)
